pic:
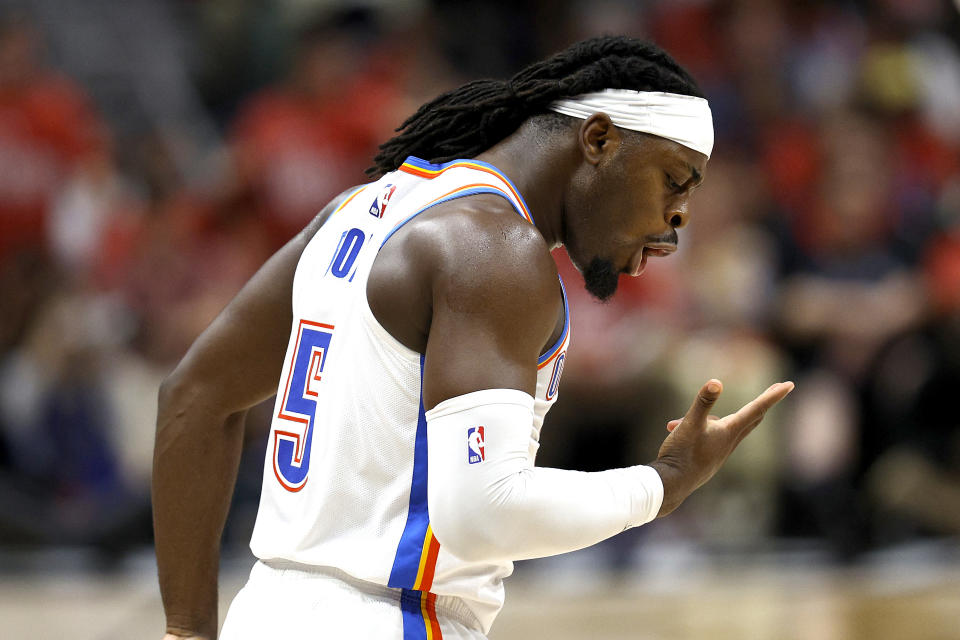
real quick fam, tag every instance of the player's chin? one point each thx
(601, 278)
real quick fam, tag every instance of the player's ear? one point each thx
(598, 137)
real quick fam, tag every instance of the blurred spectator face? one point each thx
(854, 186)
(19, 49)
(722, 202)
(46, 129)
(757, 40)
(324, 65)
(758, 34)
(730, 260)
(917, 13)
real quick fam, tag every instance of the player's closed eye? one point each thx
(672, 184)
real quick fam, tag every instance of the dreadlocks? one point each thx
(470, 119)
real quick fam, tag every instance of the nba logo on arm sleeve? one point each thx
(475, 445)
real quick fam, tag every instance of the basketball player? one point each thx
(415, 334)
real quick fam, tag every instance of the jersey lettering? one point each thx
(347, 251)
(555, 376)
(291, 449)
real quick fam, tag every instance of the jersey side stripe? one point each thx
(410, 550)
(428, 561)
(428, 605)
(411, 607)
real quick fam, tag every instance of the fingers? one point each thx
(700, 409)
(752, 413)
(744, 420)
(673, 424)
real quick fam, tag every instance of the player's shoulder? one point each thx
(480, 249)
(483, 234)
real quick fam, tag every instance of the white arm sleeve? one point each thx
(487, 501)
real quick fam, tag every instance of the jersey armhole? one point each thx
(386, 338)
(557, 346)
(463, 192)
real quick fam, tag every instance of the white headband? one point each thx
(684, 119)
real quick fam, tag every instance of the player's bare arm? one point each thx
(487, 303)
(459, 274)
(231, 367)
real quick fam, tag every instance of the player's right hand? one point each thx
(700, 443)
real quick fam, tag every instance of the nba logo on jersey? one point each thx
(379, 206)
(475, 445)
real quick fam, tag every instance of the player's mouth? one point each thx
(656, 249)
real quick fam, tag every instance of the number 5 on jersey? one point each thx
(291, 449)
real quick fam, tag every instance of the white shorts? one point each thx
(316, 603)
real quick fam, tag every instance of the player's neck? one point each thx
(540, 167)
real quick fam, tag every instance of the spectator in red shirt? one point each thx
(46, 129)
(300, 143)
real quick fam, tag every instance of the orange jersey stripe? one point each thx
(553, 354)
(433, 173)
(463, 188)
(349, 198)
(433, 550)
(428, 561)
(428, 606)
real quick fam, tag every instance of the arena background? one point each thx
(153, 153)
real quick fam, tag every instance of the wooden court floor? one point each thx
(897, 602)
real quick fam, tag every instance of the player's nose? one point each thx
(676, 217)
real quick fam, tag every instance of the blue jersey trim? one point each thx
(549, 353)
(406, 563)
(414, 626)
(423, 164)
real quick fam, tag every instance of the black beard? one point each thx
(600, 279)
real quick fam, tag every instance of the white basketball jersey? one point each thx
(345, 479)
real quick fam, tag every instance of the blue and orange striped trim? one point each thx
(416, 557)
(419, 609)
(347, 200)
(560, 344)
(424, 169)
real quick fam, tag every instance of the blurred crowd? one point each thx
(153, 154)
